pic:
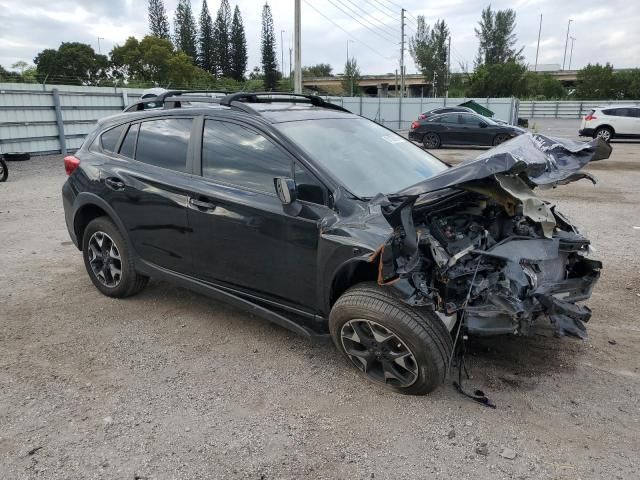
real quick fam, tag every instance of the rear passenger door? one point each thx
(147, 183)
(242, 237)
(449, 130)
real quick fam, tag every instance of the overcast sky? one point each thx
(604, 31)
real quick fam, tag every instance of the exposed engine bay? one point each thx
(490, 248)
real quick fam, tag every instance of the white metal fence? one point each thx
(55, 118)
(566, 109)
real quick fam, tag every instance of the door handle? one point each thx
(114, 183)
(201, 204)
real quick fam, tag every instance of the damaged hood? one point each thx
(537, 159)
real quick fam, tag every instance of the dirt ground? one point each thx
(170, 384)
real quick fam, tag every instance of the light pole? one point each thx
(297, 72)
(348, 64)
(535, 69)
(282, 51)
(100, 49)
(566, 43)
(573, 39)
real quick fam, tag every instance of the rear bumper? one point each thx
(415, 136)
(586, 132)
(68, 199)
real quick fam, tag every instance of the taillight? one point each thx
(414, 125)
(591, 116)
(70, 164)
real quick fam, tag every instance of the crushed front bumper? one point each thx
(506, 313)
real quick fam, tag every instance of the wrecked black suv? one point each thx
(327, 223)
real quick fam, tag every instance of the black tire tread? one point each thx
(423, 322)
(139, 281)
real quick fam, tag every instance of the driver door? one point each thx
(242, 238)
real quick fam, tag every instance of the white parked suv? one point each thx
(620, 121)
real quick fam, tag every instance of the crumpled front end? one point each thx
(489, 251)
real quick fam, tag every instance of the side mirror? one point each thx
(482, 125)
(286, 190)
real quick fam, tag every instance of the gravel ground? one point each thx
(170, 384)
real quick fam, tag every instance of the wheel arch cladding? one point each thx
(85, 214)
(350, 274)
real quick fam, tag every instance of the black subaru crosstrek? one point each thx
(327, 223)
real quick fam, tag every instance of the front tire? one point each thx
(405, 349)
(605, 133)
(500, 138)
(108, 260)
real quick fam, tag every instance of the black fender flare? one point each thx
(86, 198)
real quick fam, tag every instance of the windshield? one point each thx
(365, 157)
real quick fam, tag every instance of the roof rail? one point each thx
(175, 93)
(170, 96)
(254, 97)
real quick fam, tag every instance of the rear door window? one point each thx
(109, 139)
(128, 147)
(164, 143)
(451, 118)
(237, 155)
(470, 119)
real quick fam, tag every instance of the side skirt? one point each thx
(218, 293)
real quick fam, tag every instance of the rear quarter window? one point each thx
(109, 139)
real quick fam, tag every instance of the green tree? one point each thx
(351, 78)
(429, 50)
(221, 38)
(72, 63)
(507, 79)
(319, 70)
(7, 76)
(596, 82)
(268, 50)
(497, 38)
(238, 47)
(184, 26)
(628, 84)
(544, 87)
(158, 21)
(207, 50)
(155, 60)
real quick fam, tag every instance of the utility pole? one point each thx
(434, 82)
(535, 69)
(573, 39)
(402, 52)
(351, 73)
(566, 43)
(448, 67)
(297, 83)
(290, 67)
(282, 51)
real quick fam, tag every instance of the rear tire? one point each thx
(431, 140)
(405, 349)
(4, 171)
(605, 133)
(108, 260)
